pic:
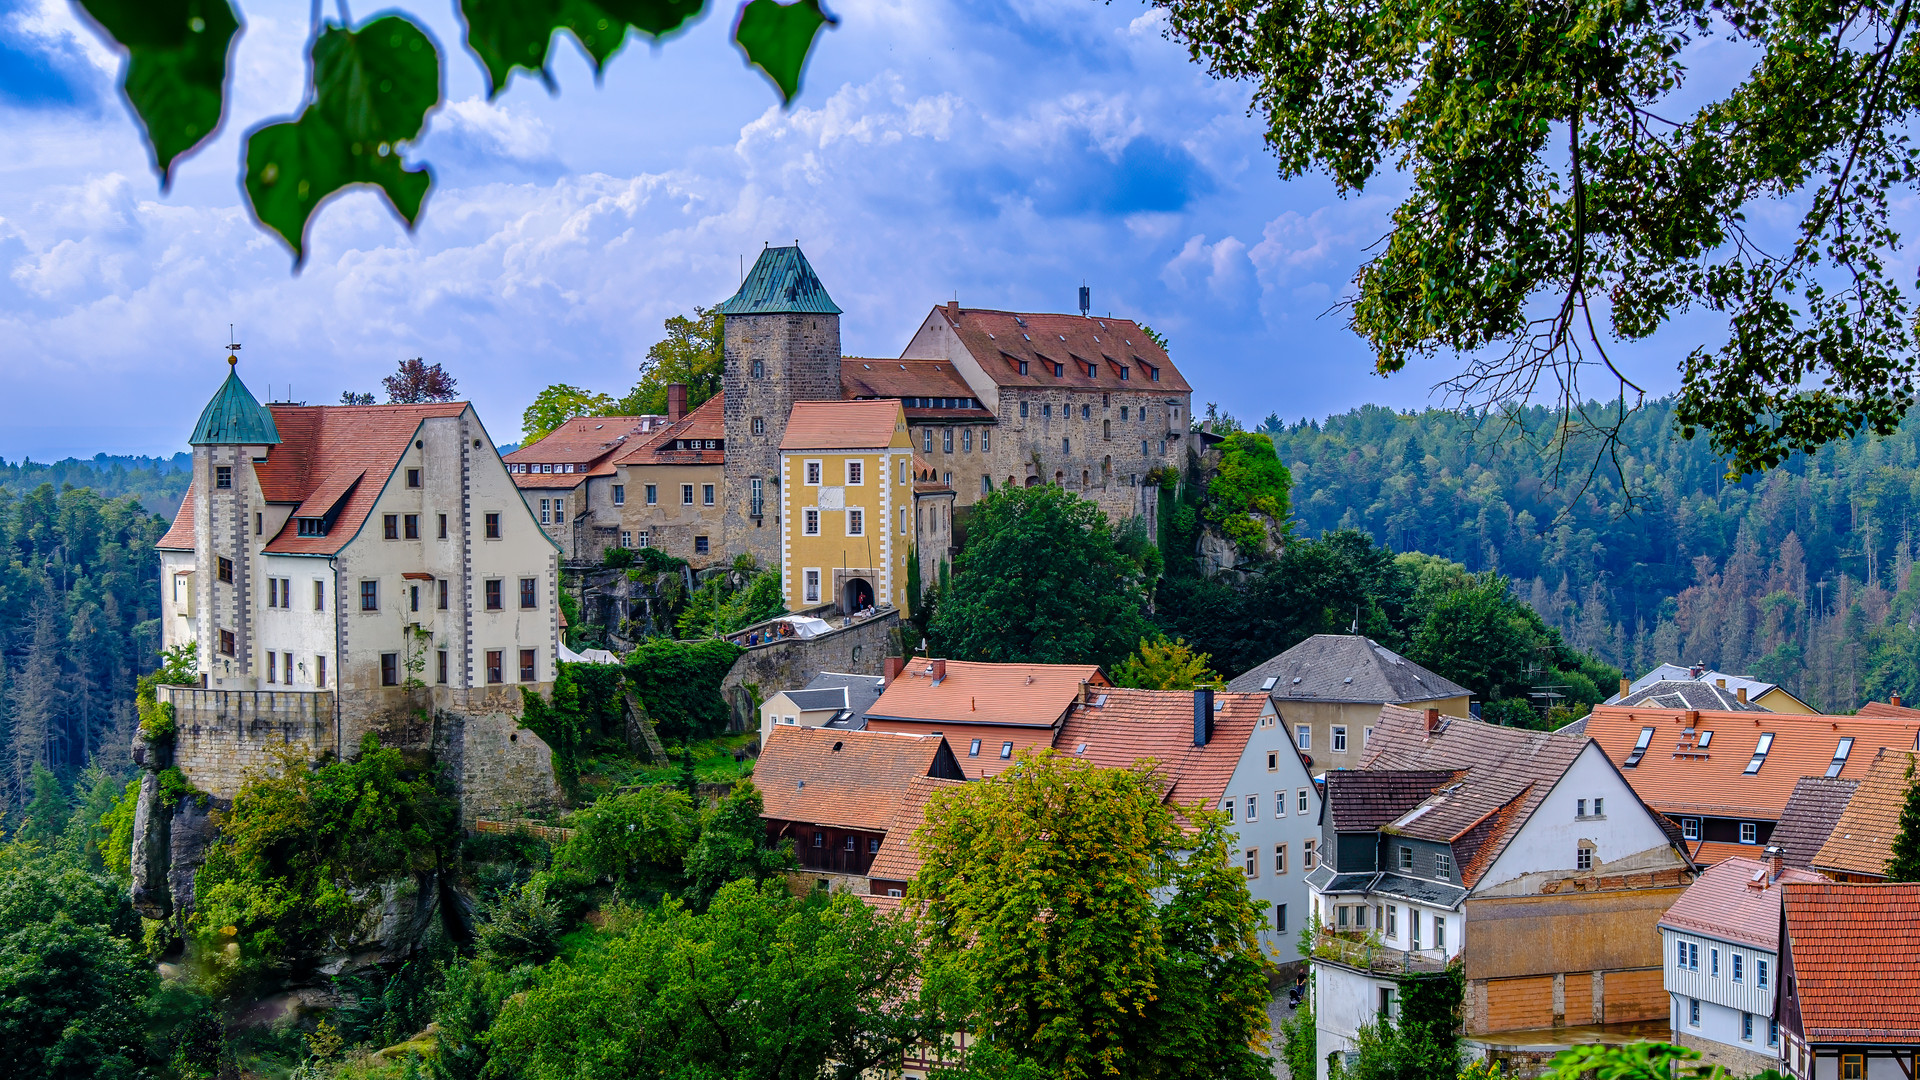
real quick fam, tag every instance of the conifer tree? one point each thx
(1904, 865)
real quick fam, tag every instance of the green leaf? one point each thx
(373, 88)
(508, 34)
(176, 72)
(777, 37)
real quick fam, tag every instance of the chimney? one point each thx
(1896, 701)
(1626, 686)
(1202, 714)
(894, 666)
(676, 402)
(1776, 859)
(953, 308)
(1433, 721)
(939, 671)
(1080, 696)
(1721, 683)
(1742, 694)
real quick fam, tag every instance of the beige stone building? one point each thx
(355, 569)
(668, 490)
(568, 480)
(1329, 689)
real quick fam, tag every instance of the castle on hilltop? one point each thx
(991, 399)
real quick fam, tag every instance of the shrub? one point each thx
(618, 558)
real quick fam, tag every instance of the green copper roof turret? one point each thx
(781, 283)
(234, 417)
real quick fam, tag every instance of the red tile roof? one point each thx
(1030, 695)
(1121, 727)
(842, 779)
(1856, 961)
(323, 451)
(1362, 800)
(1888, 711)
(1712, 852)
(842, 425)
(1861, 841)
(582, 440)
(863, 378)
(1677, 776)
(999, 340)
(1724, 902)
(899, 859)
(664, 446)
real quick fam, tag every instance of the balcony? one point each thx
(1366, 954)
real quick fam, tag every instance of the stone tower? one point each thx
(234, 431)
(782, 345)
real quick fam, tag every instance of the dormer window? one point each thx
(312, 526)
(1059, 370)
(1840, 756)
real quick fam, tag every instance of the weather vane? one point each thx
(232, 348)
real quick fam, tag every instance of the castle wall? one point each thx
(791, 663)
(220, 735)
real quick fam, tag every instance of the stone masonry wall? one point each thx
(222, 734)
(791, 663)
(800, 361)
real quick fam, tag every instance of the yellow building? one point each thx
(846, 505)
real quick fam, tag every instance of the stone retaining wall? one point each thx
(790, 663)
(219, 735)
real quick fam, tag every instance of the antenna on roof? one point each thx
(1086, 300)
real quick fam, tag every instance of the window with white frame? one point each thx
(1279, 858)
(856, 522)
(1228, 807)
(1273, 761)
(1406, 859)
(810, 522)
(812, 474)
(1583, 858)
(1253, 862)
(856, 472)
(1303, 800)
(643, 538)
(811, 587)
(1253, 808)
(1749, 832)
(1279, 804)
(1303, 736)
(1443, 866)
(1339, 737)
(1690, 828)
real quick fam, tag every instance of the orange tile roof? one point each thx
(999, 340)
(1888, 711)
(1862, 840)
(532, 481)
(843, 779)
(1027, 695)
(1713, 852)
(1676, 776)
(1121, 727)
(864, 378)
(323, 451)
(580, 440)
(1856, 961)
(899, 860)
(1724, 903)
(708, 421)
(841, 425)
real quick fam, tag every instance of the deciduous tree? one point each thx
(1089, 928)
(1165, 664)
(418, 382)
(558, 404)
(691, 353)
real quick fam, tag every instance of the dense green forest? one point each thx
(1800, 575)
(159, 483)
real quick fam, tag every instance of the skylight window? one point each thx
(1706, 737)
(1268, 683)
(1759, 754)
(1840, 756)
(1639, 748)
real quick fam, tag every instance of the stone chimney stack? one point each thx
(1742, 693)
(676, 402)
(1433, 721)
(893, 668)
(939, 671)
(1626, 686)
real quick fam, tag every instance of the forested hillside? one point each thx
(1799, 576)
(78, 626)
(158, 482)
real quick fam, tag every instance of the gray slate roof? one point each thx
(861, 692)
(815, 700)
(1811, 812)
(1345, 668)
(1419, 890)
(1687, 694)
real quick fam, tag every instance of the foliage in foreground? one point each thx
(1163, 664)
(300, 848)
(1085, 926)
(761, 984)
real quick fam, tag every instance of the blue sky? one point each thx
(1000, 151)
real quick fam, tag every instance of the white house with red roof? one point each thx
(355, 569)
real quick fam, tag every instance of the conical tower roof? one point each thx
(780, 283)
(234, 416)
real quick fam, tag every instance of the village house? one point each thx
(1721, 941)
(847, 498)
(1329, 689)
(557, 476)
(1523, 853)
(1227, 752)
(1850, 981)
(830, 699)
(835, 793)
(1726, 774)
(668, 487)
(1860, 842)
(346, 570)
(1812, 811)
(1732, 688)
(990, 713)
